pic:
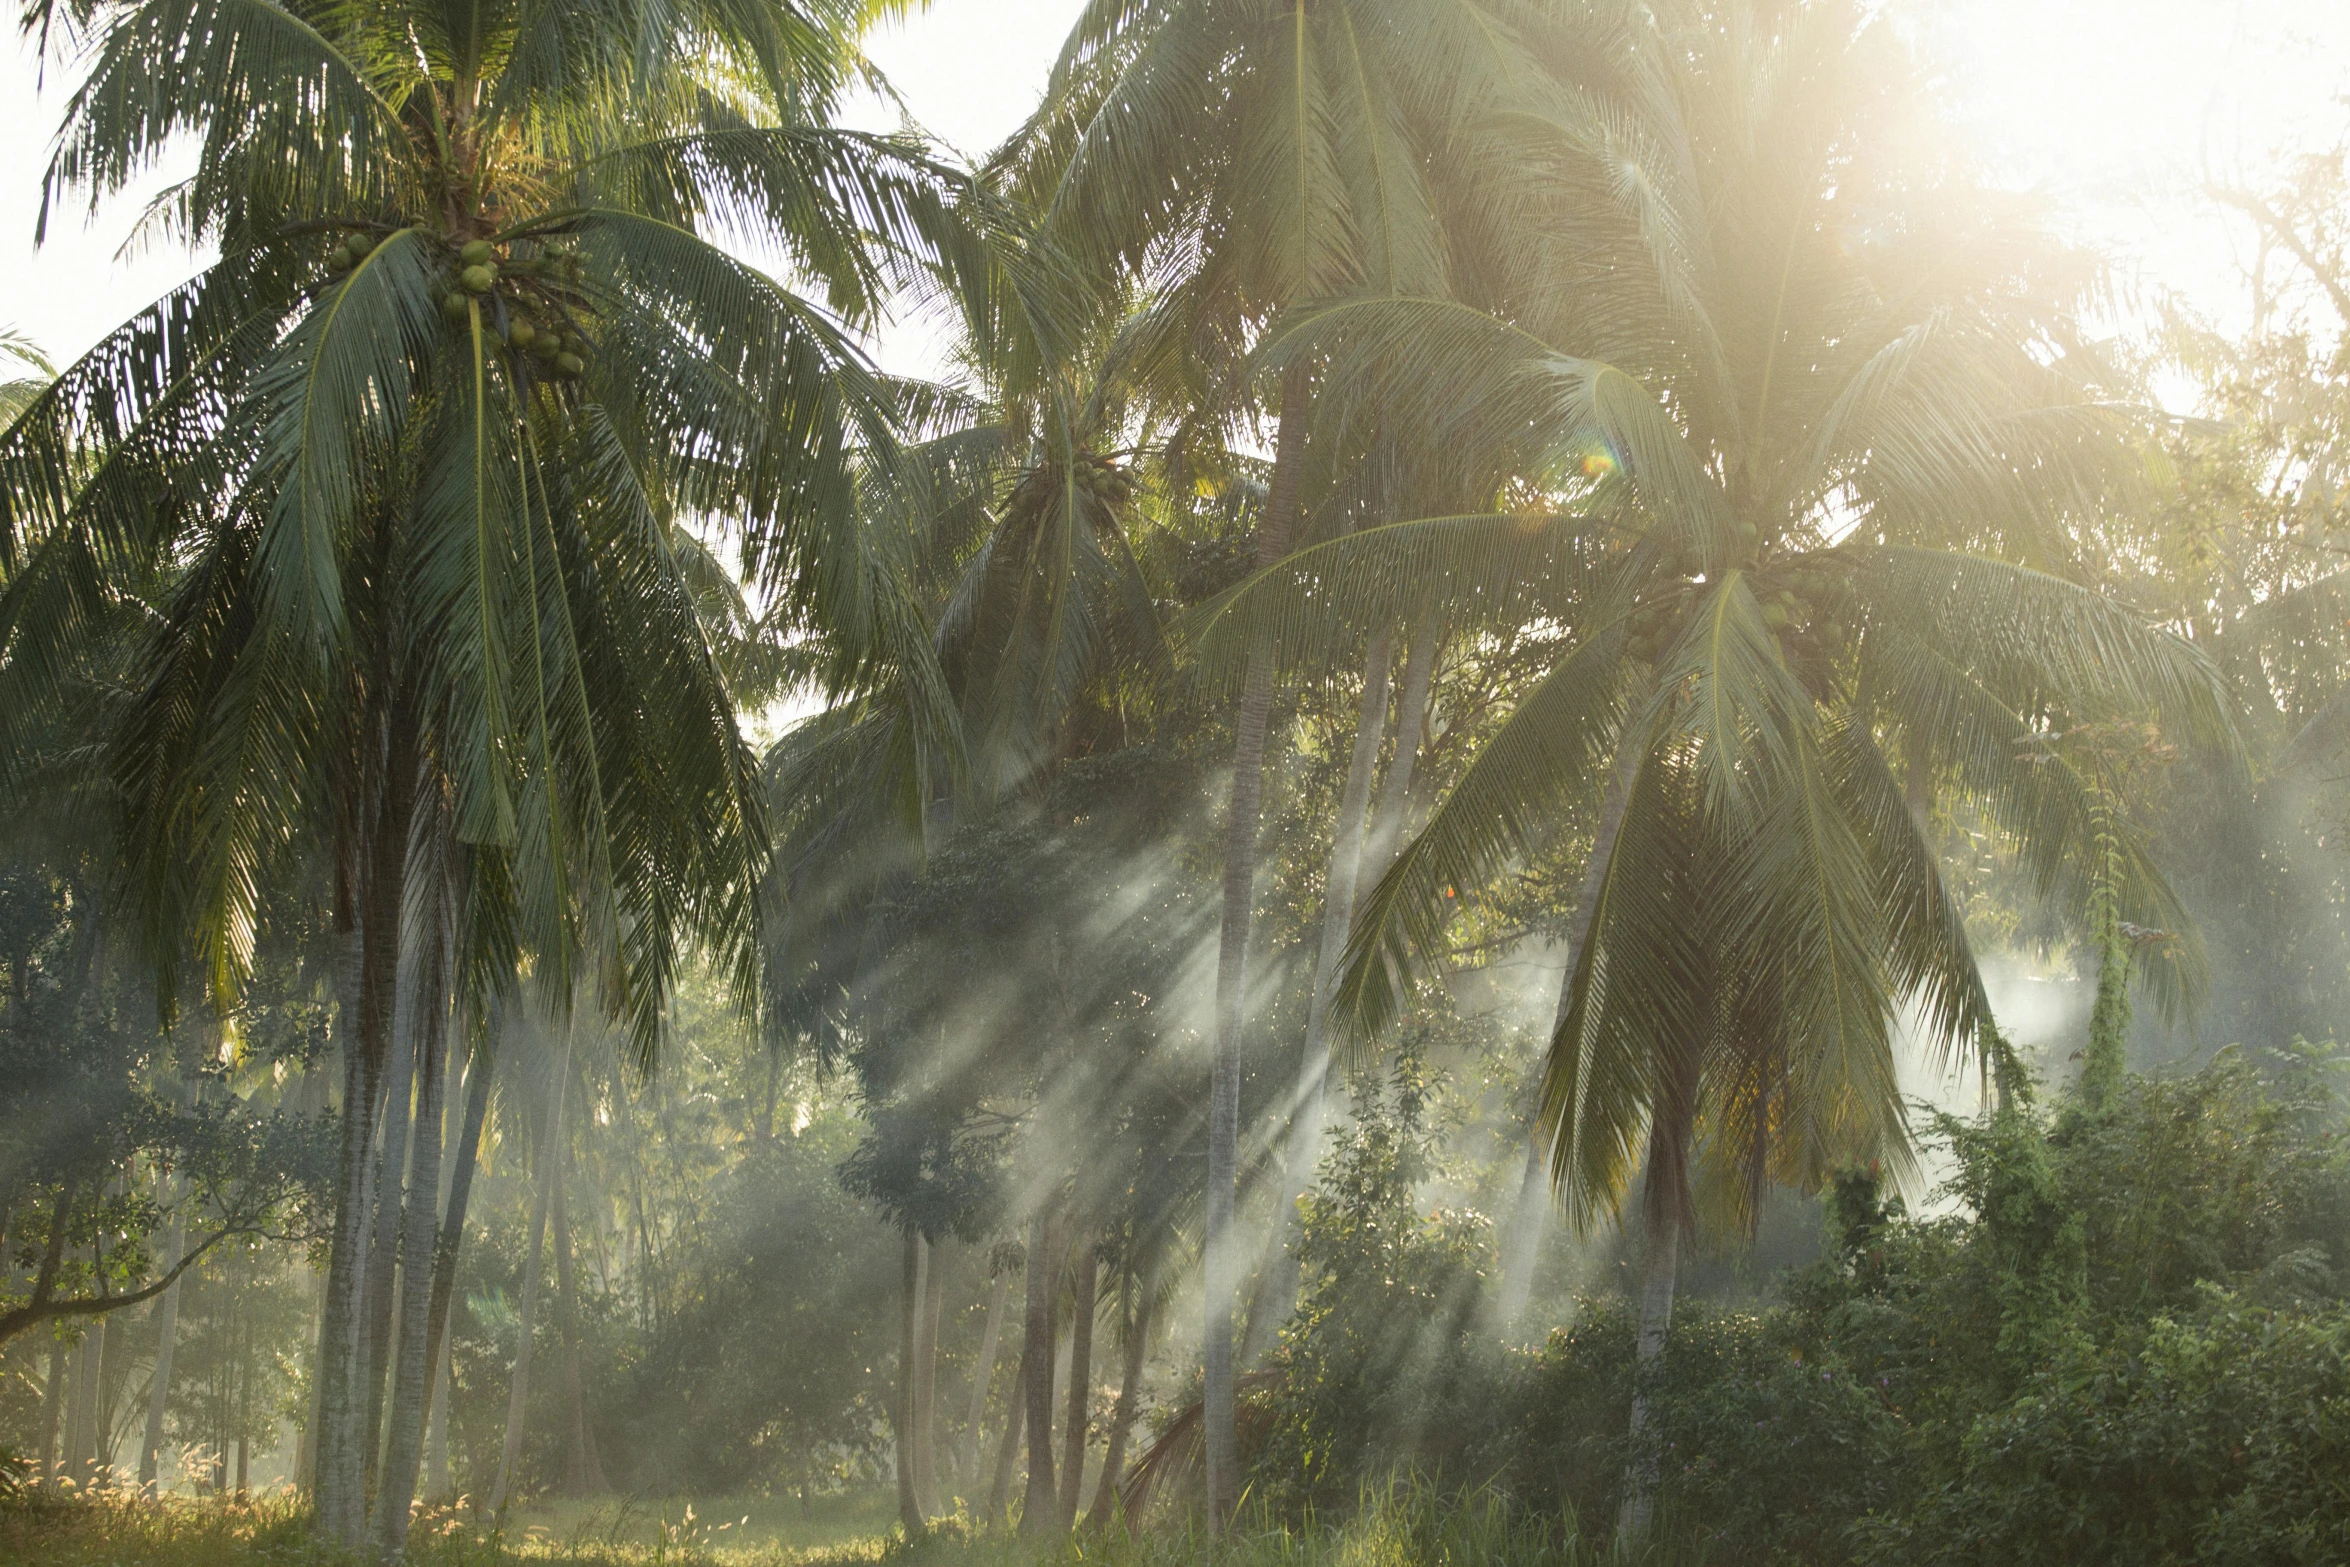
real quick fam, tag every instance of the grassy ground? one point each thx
(1400, 1528)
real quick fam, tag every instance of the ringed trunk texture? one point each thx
(1277, 1295)
(404, 1439)
(1220, 1262)
(1105, 1493)
(1079, 1423)
(1039, 1507)
(1659, 1271)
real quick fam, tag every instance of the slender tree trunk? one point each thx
(967, 1462)
(1220, 1261)
(1660, 1269)
(1042, 1503)
(1007, 1458)
(452, 1236)
(396, 1477)
(383, 1247)
(167, 1319)
(584, 1473)
(370, 960)
(1521, 1246)
(518, 1396)
(1138, 1332)
(79, 1442)
(53, 1408)
(934, 1275)
(436, 1432)
(1079, 1417)
(1277, 1290)
(909, 1350)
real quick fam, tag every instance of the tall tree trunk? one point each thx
(926, 1378)
(53, 1409)
(1138, 1334)
(79, 1440)
(436, 1432)
(451, 1239)
(1277, 1288)
(403, 1441)
(967, 1458)
(383, 1247)
(518, 1395)
(1042, 1503)
(1521, 1245)
(909, 1350)
(1007, 1458)
(167, 1320)
(370, 959)
(583, 1473)
(1659, 1270)
(1220, 1262)
(1079, 1427)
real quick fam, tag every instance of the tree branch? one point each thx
(42, 1309)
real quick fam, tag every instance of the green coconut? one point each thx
(1775, 616)
(522, 334)
(338, 260)
(479, 279)
(359, 245)
(454, 307)
(476, 252)
(545, 345)
(568, 365)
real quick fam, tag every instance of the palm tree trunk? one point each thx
(167, 1321)
(436, 1432)
(934, 1276)
(403, 1442)
(1659, 1271)
(584, 1474)
(1038, 1507)
(53, 1410)
(1138, 1331)
(967, 1464)
(909, 1347)
(1220, 1263)
(1079, 1427)
(80, 1427)
(999, 1494)
(452, 1234)
(383, 1248)
(370, 962)
(1277, 1293)
(518, 1395)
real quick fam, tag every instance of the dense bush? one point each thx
(2125, 1342)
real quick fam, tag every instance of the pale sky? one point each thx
(2115, 108)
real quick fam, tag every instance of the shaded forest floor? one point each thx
(1399, 1529)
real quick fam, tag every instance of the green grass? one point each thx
(1402, 1526)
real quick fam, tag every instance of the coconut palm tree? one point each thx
(1820, 415)
(399, 475)
(1286, 150)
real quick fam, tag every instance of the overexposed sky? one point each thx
(2118, 109)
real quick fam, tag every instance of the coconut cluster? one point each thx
(526, 302)
(1104, 480)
